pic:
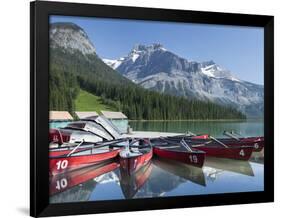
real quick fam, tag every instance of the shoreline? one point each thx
(198, 120)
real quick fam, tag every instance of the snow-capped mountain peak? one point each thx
(137, 51)
(140, 49)
(154, 67)
(215, 71)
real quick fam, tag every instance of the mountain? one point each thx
(155, 68)
(75, 66)
(71, 38)
(73, 59)
(72, 49)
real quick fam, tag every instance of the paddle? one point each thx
(201, 145)
(185, 145)
(182, 143)
(97, 145)
(237, 134)
(72, 151)
(231, 135)
(213, 138)
(168, 141)
(111, 143)
(189, 133)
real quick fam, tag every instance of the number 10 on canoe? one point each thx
(62, 164)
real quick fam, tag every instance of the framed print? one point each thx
(142, 109)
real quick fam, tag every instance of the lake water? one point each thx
(215, 128)
(162, 178)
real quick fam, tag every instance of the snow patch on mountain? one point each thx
(113, 63)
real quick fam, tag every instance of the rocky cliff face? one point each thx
(71, 38)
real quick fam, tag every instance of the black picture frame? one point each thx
(39, 110)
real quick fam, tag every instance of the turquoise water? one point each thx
(162, 178)
(58, 124)
(122, 125)
(215, 128)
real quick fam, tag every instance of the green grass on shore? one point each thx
(86, 101)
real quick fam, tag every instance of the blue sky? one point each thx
(238, 49)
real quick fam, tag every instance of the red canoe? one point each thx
(216, 148)
(132, 160)
(62, 182)
(195, 158)
(254, 142)
(257, 142)
(78, 159)
(71, 136)
(235, 152)
(178, 150)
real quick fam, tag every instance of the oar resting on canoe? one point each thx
(234, 139)
(217, 148)
(179, 151)
(64, 159)
(132, 155)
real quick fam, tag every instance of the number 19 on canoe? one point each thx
(62, 164)
(193, 159)
(242, 153)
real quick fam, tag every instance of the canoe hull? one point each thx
(133, 164)
(256, 142)
(238, 152)
(62, 164)
(193, 158)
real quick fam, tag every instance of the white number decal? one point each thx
(193, 158)
(256, 145)
(61, 184)
(242, 153)
(62, 164)
(55, 138)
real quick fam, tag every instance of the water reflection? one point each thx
(185, 171)
(130, 184)
(158, 178)
(77, 185)
(258, 157)
(221, 164)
